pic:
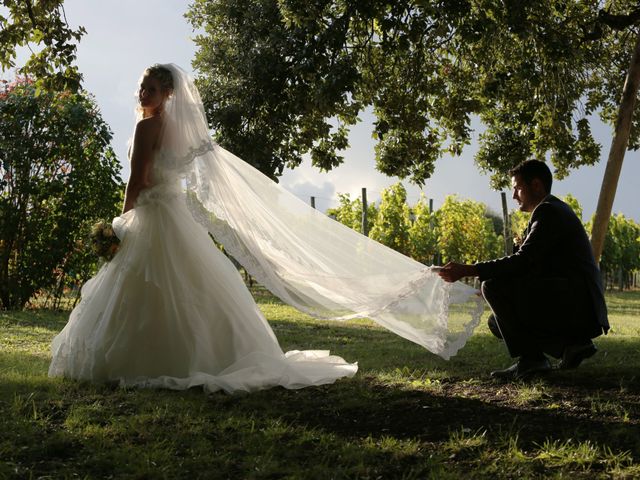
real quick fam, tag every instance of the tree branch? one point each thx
(30, 12)
(615, 22)
(619, 22)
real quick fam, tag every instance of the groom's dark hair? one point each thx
(530, 169)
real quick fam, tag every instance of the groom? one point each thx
(547, 298)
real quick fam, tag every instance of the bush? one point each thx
(57, 174)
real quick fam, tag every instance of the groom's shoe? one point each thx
(574, 355)
(523, 368)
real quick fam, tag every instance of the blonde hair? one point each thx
(164, 77)
(162, 74)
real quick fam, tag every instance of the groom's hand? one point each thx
(452, 272)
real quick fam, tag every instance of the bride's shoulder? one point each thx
(148, 127)
(150, 123)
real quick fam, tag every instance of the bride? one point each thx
(170, 310)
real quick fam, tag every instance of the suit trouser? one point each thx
(540, 315)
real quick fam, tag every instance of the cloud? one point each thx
(323, 193)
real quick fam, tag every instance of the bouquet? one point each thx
(104, 241)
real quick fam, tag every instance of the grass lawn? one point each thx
(406, 414)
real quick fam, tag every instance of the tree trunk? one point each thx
(616, 154)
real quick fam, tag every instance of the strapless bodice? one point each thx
(167, 183)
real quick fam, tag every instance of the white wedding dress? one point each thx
(170, 310)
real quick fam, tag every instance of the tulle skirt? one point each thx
(171, 311)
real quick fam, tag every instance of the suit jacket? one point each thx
(555, 245)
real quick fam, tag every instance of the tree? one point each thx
(392, 223)
(349, 212)
(268, 88)
(545, 69)
(525, 68)
(519, 222)
(621, 253)
(535, 73)
(423, 233)
(57, 173)
(466, 234)
(283, 78)
(621, 139)
(43, 24)
(574, 204)
(497, 221)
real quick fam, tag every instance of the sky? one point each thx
(123, 37)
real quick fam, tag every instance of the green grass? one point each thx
(406, 414)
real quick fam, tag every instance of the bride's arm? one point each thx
(141, 156)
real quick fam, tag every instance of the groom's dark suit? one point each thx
(549, 293)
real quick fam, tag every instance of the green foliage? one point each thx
(423, 233)
(574, 204)
(459, 230)
(465, 231)
(41, 23)
(349, 212)
(535, 68)
(466, 234)
(268, 88)
(393, 221)
(621, 253)
(57, 174)
(275, 74)
(519, 221)
(497, 221)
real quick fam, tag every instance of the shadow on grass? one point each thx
(46, 319)
(99, 430)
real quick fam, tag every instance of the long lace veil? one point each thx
(303, 257)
